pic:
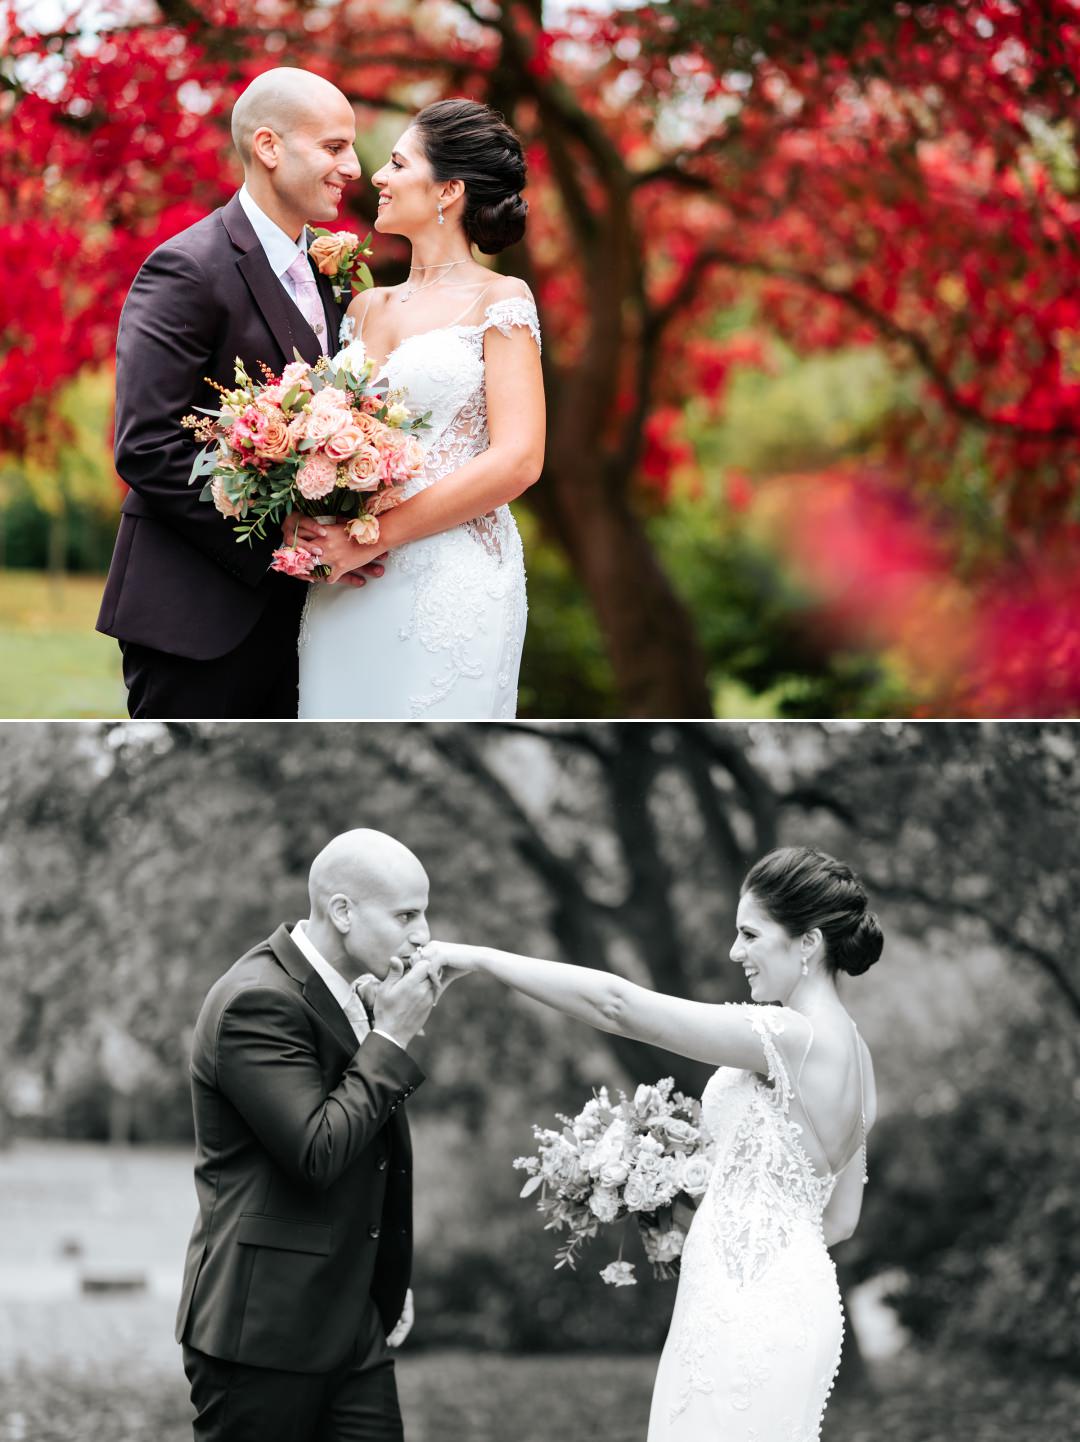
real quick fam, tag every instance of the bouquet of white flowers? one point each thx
(620, 1159)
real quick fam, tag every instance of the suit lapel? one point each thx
(289, 328)
(316, 992)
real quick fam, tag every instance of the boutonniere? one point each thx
(338, 254)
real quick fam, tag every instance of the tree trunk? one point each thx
(658, 664)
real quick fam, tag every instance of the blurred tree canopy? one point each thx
(142, 859)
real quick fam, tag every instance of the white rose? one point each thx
(397, 414)
(353, 359)
(695, 1176)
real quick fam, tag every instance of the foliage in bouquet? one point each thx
(619, 1159)
(319, 439)
(340, 255)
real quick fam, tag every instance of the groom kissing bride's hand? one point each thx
(296, 1283)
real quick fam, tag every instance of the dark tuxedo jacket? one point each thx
(179, 580)
(303, 1170)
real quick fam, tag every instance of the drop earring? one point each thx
(805, 968)
(441, 220)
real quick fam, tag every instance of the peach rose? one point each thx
(363, 529)
(328, 251)
(297, 430)
(363, 471)
(316, 478)
(344, 443)
(272, 440)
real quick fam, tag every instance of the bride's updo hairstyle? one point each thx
(464, 140)
(801, 887)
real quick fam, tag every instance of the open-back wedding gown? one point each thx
(755, 1338)
(440, 634)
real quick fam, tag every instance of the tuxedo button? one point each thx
(382, 1164)
(373, 1233)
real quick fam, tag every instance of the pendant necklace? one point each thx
(427, 284)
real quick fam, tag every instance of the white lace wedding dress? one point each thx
(440, 634)
(755, 1338)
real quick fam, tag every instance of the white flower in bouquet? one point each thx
(612, 1146)
(694, 1175)
(676, 1131)
(663, 1245)
(619, 1274)
(353, 360)
(604, 1204)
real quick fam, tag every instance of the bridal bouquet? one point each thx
(620, 1159)
(317, 439)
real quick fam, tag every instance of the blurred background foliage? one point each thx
(142, 859)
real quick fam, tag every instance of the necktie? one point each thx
(308, 302)
(355, 1009)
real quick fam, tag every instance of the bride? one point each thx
(441, 633)
(754, 1342)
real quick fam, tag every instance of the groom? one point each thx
(298, 1266)
(205, 628)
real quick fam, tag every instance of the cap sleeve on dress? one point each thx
(514, 310)
(767, 1024)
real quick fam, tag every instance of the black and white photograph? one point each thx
(666, 1082)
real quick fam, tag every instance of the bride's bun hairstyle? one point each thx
(801, 887)
(464, 140)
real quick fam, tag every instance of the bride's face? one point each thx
(408, 195)
(769, 957)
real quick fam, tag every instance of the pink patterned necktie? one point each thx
(308, 301)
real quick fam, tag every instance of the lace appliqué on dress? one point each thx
(755, 1246)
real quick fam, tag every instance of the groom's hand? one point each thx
(404, 1323)
(404, 1000)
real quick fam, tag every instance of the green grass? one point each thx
(52, 661)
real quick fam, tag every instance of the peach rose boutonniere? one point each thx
(340, 255)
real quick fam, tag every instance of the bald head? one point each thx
(286, 100)
(362, 864)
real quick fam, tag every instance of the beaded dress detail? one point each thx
(755, 1338)
(440, 634)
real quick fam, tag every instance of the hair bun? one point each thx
(492, 225)
(860, 948)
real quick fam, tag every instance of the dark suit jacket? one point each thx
(179, 580)
(303, 1170)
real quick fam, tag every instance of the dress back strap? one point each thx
(862, 1101)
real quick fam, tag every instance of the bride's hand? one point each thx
(329, 543)
(448, 961)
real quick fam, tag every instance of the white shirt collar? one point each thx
(338, 987)
(281, 250)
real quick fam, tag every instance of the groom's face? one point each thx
(388, 921)
(316, 161)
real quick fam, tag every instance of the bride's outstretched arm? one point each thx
(720, 1035)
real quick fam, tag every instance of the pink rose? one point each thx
(363, 529)
(363, 471)
(316, 478)
(293, 560)
(345, 442)
(297, 430)
(296, 373)
(324, 422)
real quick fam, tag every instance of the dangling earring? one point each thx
(805, 968)
(441, 220)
